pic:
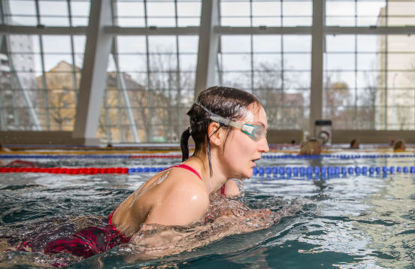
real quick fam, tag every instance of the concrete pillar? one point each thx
(94, 73)
(208, 46)
(316, 94)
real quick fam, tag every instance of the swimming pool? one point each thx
(348, 220)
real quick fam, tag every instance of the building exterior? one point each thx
(61, 105)
(18, 84)
(395, 99)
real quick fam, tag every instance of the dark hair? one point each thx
(223, 101)
(354, 143)
(400, 144)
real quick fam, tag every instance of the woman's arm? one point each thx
(154, 241)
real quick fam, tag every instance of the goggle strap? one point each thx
(218, 118)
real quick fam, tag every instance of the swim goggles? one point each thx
(256, 132)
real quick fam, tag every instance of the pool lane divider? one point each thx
(89, 156)
(330, 171)
(179, 156)
(71, 171)
(280, 172)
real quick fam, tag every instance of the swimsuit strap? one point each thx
(222, 190)
(185, 166)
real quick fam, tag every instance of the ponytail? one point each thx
(208, 150)
(184, 144)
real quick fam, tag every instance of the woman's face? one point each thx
(240, 150)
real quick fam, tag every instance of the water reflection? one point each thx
(353, 222)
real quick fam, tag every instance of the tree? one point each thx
(337, 104)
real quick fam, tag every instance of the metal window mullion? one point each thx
(119, 88)
(385, 104)
(75, 80)
(221, 30)
(282, 63)
(251, 50)
(14, 107)
(42, 61)
(4, 41)
(44, 84)
(178, 80)
(219, 57)
(107, 118)
(219, 66)
(149, 127)
(2, 8)
(119, 109)
(282, 50)
(108, 121)
(355, 121)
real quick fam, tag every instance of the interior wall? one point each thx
(45, 138)
(372, 136)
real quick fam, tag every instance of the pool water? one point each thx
(358, 221)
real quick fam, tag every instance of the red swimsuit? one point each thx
(92, 240)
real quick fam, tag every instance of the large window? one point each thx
(40, 80)
(265, 13)
(275, 68)
(46, 12)
(368, 79)
(370, 13)
(165, 13)
(156, 74)
(150, 77)
(368, 68)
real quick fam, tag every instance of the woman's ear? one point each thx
(215, 134)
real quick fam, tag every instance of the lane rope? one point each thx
(179, 156)
(280, 172)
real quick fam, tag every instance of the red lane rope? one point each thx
(61, 170)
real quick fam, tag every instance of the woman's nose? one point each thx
(263, 145)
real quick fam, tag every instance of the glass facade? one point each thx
(368, 63)
(276, 68)
(368, 79)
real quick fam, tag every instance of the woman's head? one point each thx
(354, 144)
(399, 146)
(311, 147)
(224, 107)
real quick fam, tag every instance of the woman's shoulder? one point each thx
(179, 200)
(185, 182)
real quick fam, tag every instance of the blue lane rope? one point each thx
(337, 156)
(328, 171)
(178, 156)
(276, 172)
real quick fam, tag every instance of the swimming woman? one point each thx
(229, 128)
